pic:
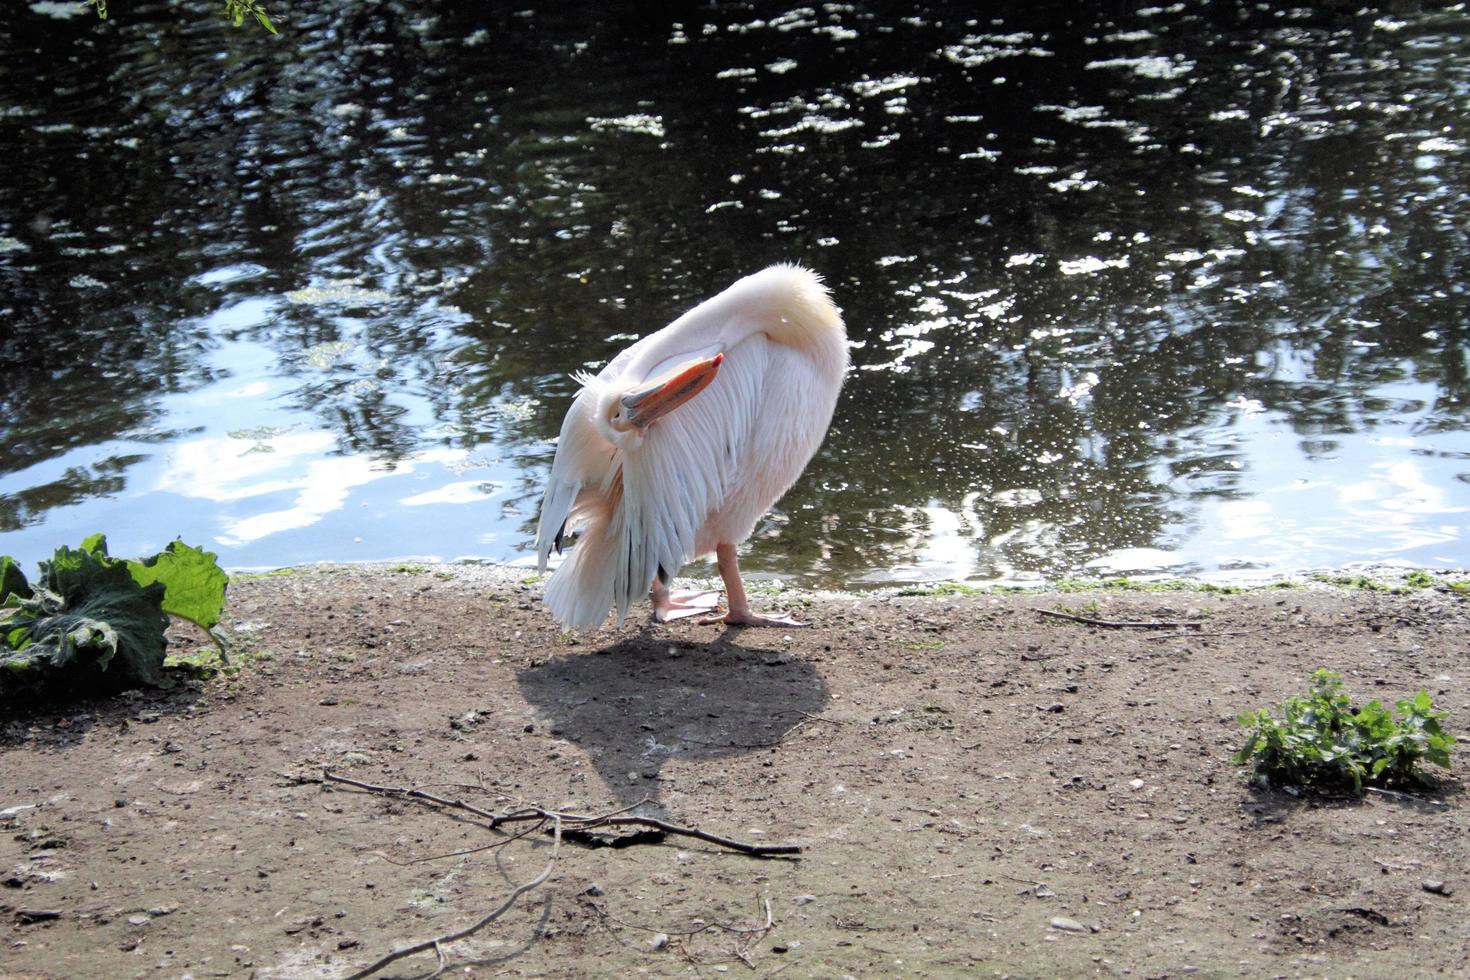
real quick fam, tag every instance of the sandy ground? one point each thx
(978, 789)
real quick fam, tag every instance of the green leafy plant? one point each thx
(238, 10)
(95, 620)
(1322, 742)
(235, 12)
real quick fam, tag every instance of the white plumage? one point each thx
(679, 445)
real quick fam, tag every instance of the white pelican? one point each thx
(678, 446)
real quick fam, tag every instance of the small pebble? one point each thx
(1066, 924)
(1438, 888)
(659, 941)
(804, 899)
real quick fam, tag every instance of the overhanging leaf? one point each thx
(193, 581)
(12, 580)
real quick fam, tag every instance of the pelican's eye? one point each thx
(622, 419)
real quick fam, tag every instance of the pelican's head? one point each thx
(623, 417)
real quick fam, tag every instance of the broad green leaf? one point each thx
(90, 610)
(96, 544)
(193, 581)
(12, 579)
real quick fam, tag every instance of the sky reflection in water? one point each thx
(1173, 288)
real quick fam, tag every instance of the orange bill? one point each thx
(646, 405)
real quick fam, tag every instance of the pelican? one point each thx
(679, 445)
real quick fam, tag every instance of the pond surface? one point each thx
(1162, 286)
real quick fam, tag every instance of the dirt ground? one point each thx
(978, 789)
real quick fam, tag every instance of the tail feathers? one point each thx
(597, 575)
(580, 591)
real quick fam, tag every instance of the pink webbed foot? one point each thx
(752, 618)
(740, 613)
(684, 603)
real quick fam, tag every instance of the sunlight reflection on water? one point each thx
(1142, 291)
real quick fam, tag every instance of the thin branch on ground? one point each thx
(809, 716)
(1024, 881)
(468, 850)
(1404, 796)
(564, 826)
(747, 935)
(806, 716)
(742, 745)
(654, 823)
(572, 821)
(1147, 624)
(413, 794)
(703, 926)
(1396, 867)
(437, 944)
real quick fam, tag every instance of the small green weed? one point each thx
(766, 586)
(1091, 608)
(273, 573)
(1322, 743)
(206, 663)
(1419, 579)
(1125, 584)
(1363, 583)
(940, 589)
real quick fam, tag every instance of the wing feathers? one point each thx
(686, 468)
(643, 511)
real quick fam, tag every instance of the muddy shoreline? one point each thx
(978, 787)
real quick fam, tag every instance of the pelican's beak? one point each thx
(643, 406)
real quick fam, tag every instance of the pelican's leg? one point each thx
(740, 613)
(677, 605)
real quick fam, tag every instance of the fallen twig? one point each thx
(572, 821)
(1147, 624)
(413, 794)
(585, 822)
(564, 827)
(1404, 796)
(679, 939)
(703, 926)
(470, 850)
(437, 944)
(1396, 867)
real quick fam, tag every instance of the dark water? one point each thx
(1129, 285)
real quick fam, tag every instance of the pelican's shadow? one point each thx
(645, 699)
